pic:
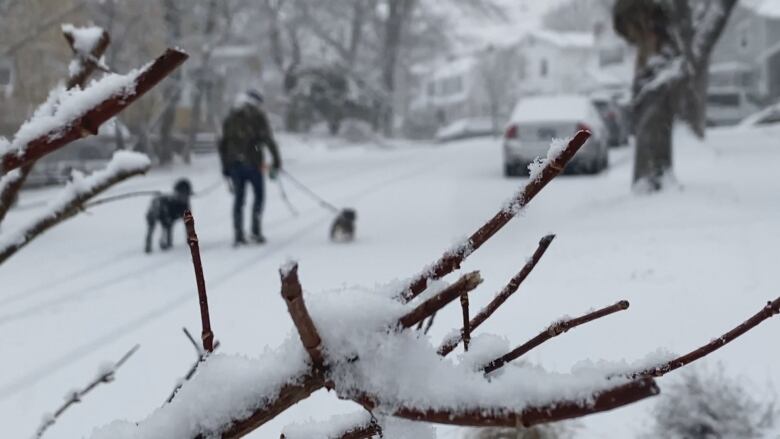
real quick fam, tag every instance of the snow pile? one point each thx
(63, 107)
(225, 388)
(121, 162)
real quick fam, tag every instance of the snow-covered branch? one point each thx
(105, 375)
(709, 27)
(452, 342)
(292, 293)
(429, 307)
(771, 309)
(71, 199)
(74, 114)
(552, 331)
(451, 260)
(348, 426)
(81, 68)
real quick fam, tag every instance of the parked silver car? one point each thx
(536, 120)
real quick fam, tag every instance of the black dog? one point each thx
(343, 228)
(167, 209)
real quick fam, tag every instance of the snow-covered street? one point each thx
(693, 262)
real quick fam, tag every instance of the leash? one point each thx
(286, 200)
(310, 192)
(110, 199)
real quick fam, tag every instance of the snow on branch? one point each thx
(80, 69)
(105, 375)
(429, 307)
(88, 45)
(71, 199)
(552, 331)
(771, 309)
(452, 342)
(450, 261)
(74, 114)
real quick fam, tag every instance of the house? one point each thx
(747, 55)
(472, 92)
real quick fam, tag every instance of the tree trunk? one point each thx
(654, 119)
(172, 90)
(398, 13)
(202, 81)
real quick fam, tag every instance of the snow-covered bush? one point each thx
(706, 404)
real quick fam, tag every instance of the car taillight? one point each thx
(582, 127)
(511, 132)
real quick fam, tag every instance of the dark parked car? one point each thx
(615, 119)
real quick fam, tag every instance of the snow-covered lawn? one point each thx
(693, 263)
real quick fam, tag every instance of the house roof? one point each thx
(766, 8)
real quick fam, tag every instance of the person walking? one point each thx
(245, 134)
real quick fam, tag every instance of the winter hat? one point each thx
(255, 96)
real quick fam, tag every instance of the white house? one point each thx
(477, 91)
(747, 55)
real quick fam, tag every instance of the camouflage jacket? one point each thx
(245, 133)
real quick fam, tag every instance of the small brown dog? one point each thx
(343, 228)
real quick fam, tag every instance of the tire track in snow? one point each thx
(39, 373)
(55, 285)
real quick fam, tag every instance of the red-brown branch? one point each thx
(450, 344)
(65, 212)
(365, 431)
(771, 309)
(87, 62)
(466, 331)
(426, 309)
(10, 191)
(207, 336)
(290, 394)
(104, 377)
(552, 331)
(451, 261)
(96, 116)
(293, 297)
(506, 417)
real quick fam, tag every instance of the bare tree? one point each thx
(173, 10)
(674, 40)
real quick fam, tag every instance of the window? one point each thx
(743, 34)
(6, 76)
(543, 68)
(431, 89)
(723, 99)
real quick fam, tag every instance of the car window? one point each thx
(723, 99)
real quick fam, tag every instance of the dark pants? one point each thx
(241, 174)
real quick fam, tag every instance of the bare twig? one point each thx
(506, 417)
(451, 261)
(429, 325)
(554, 330)
(207, 336)
(202, 357)
(424, 310)
(87, 62)
(771, 309)
(450, 344)
(466, 332)
(293, 296)
(105, 376)
(91, 120)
